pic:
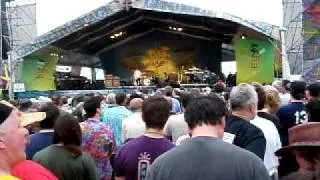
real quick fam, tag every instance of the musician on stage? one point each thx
(137, 75)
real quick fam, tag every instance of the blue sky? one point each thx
(52, 13)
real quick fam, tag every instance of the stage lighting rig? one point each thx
(243, 36)
(176, 28)
(117, 35)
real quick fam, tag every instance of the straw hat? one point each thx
(26, 118)
(304, 135)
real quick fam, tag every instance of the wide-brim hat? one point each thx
(304, 135)
(26, 118)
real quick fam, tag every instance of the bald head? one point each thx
(136, 104)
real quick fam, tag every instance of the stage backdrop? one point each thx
(255, 60)
(38, 72)
(159, 53)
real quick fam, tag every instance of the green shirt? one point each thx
(59, 161)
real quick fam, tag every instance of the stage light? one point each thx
(86, 25)
(243, 36)
(120, 33)
(170, 27)
(180, 29)
(112, 37)
(175, 28)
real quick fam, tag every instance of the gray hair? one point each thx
(111, 98)
(242, 95)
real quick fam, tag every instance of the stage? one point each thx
(154, 36)
(72, 93)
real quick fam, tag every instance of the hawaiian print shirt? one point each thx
(98, 140)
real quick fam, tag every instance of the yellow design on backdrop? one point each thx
(158, 61)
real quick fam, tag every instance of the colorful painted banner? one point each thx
(38, 72)
(255, 60)
(4, 76)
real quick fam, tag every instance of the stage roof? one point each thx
(91, 34)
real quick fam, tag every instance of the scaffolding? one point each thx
(293, 22)
(18, 27)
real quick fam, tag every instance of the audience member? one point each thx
(168, 92)
(271, 107)
(194, 159)
(313, 91)
(133, 126)
(114, 117)
(13, 137)
(244, 102)
(29, 170)
(313, 110)
(44, 137)
(111, 100)
(176, 125)
(65, 158)
(304, 144)
(134, 158)
(293, 113)
(97, 137)
(270, 133)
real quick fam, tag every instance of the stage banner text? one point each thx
(255, 60)
(38, 72)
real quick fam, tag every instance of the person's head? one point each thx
(13, 138)
(313, 91)
(67, 131)
(285, 86)
(56, 99)
(273, 101)
(168, 90)
(278, 85)
(64, 100)
(195, 92)
(121, 99)
(52, 113)
(155, 112)
(243, 98)
(92, 107)
(261, 95)
(206, 111)
(24, 105)
(111, 98)
(297, 90)
(136, 104)
(313, 109)
(185, 99)
(219, 88)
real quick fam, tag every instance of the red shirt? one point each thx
(29, 170)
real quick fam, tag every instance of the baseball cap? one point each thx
(26, 118)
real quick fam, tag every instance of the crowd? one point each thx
(247, 132)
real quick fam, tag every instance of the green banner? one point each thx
(255, 60)
(38, 72)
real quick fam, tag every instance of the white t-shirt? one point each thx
(285, 99)
(273, 143)
(175, 127)
(133, 126)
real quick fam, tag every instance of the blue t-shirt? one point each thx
(176, 107)
(291, 115)
(38, 142)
